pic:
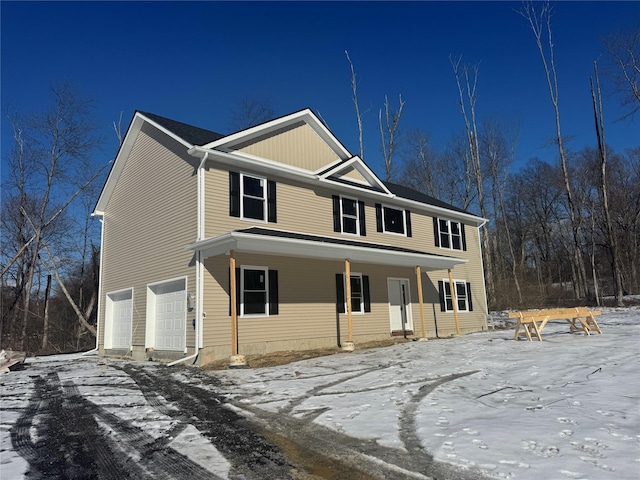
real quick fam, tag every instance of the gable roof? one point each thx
(200, 141)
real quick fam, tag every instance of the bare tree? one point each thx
(354, 90)
(467, 80)
(53, 161)
(388, 133)
(624, 69)
(538, 16)
(249, 113)
(498, 149)
(598, 114)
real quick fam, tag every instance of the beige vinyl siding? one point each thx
(150, 218)
(310, 210)
(299, 146)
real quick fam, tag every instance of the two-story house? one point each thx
(272, 238)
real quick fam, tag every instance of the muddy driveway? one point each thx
(82, 417)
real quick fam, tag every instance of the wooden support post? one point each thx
(454, 301)
(347, 269)
(421, 300)
(233, 293)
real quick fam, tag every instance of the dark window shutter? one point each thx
(365, 293)
(378, 217)
(464, 237)
(271, 202)
(407, 216)
(337, 224)
(363, 224)
(234, 194)
(237, 291)
(469, 303)
(339, 293)
(441, 293)
(436, 231)
(273, 292)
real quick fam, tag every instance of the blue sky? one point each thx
(195, 61)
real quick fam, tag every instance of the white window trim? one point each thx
(466, 294)
(266, 286)
(404, 220)
(264, 197)
(450, 235)
(108, 317)
(344, 279)
(357, 217)
(150, 324)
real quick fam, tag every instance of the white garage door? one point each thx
(170, 316)
(120, 310)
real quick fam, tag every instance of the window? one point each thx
(256, 291)
(393, 220)
(463, 296)
(449, 234)
(252, 197)
(348, 216)
(360, 299)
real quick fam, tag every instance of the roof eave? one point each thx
(299, 248)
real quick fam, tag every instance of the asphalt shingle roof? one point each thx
(193, 135)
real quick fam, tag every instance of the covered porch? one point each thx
(268, 242)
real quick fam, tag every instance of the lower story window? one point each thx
(254, 291)
(462, 291)
(360, 299)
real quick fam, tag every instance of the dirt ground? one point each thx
(289, 356)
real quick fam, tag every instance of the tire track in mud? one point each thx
(251, 455)
(407, 420)
(367, 456)
(72, 441)
(69, 443)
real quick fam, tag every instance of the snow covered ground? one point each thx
(564, 408)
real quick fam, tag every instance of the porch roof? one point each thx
(277, 242)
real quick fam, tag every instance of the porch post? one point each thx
(420, 299)
(454, 302)
(348, 345)
(347, 269)
(234, 313)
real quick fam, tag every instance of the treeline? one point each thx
(530, 257)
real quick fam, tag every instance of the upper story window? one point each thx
(252, 197)
(348, 216)
(393, 220)
(449, 234)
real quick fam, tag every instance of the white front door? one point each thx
(170, 316)
(399, 305)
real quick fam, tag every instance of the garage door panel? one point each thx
(121, 318)
(170, 317)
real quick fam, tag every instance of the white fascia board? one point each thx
(305, 115)
(358, 164)
(291, 247)
(255, 163)
(123, 154)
